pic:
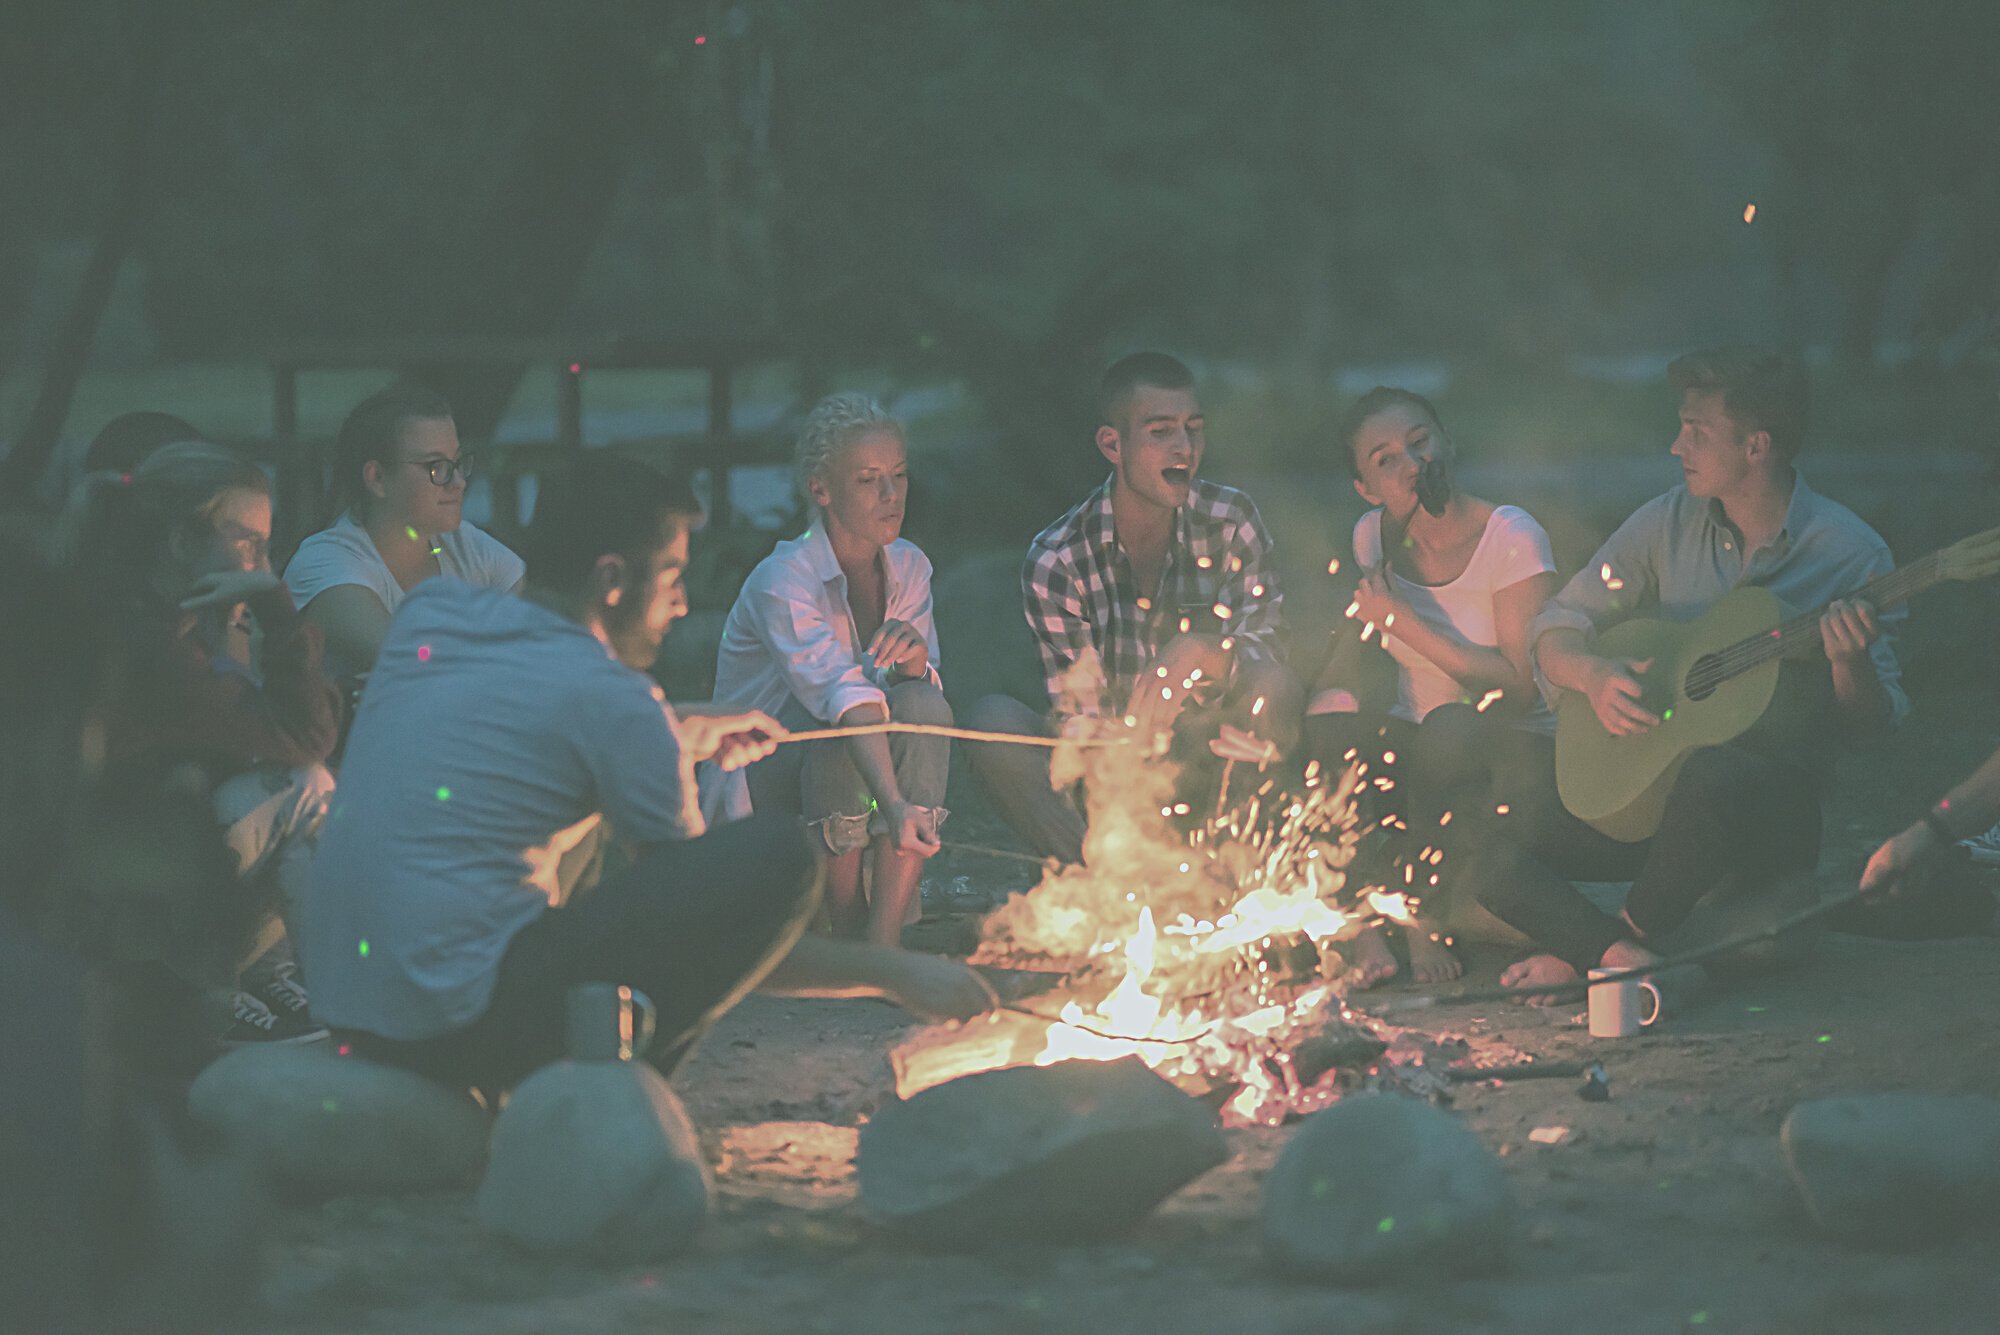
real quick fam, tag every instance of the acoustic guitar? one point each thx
(1711, 680)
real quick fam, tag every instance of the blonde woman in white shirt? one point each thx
(835, 629)
(1450, 582)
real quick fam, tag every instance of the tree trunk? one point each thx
(69, 353)
(565, 180)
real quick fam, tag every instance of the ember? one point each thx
(1212, 954)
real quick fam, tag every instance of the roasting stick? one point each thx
(1582, 985)
(939, 730)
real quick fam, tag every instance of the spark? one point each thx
(1352, 608)
(1221, 610)
(1333, 566)
(1258, 707)
(1487, 699)
(1502, 809)
(1256, 590)
(1388, 757)
(1144, 604)
(1228, 643)
(1166, 692)
(1366, 631)
(1186, 622)
(1749, 213)
(1204, 562)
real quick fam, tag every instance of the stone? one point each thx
(1379, 1184)
(597, 1159)
(317, 1124)
(1896, 1169)
(1072, 1152)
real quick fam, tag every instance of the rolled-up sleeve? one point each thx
(1622, 577)
(1062, 628)
(818, 668)
(910, 602)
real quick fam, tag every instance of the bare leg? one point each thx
(844, 909)
(892, 893)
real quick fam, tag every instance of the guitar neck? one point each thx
(1801, 633)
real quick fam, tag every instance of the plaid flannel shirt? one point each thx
(1080, 592)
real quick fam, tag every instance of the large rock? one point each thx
(1380, 1183)
(1063, 1153)
(1896, 1169)
(597, 1158)
(319, 1124)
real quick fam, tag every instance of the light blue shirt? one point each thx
(1678, 554)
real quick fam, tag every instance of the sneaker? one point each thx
(1985, 848)
(279, 988)
(255, 1022)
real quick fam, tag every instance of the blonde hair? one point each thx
(835, 422)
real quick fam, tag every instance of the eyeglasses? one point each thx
(442, 471)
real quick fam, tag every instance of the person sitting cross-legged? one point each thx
(495, 732)
(835, 628)
(1165, 579)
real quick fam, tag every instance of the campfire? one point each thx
(1212, 951)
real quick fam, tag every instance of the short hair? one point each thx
(835, 422)
(603, 505)
(1374, 401)
(1761, 391)
(120, 527)
(373, 429)
(123, 443)
(1156, 369)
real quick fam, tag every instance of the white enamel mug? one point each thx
(1615, 1008)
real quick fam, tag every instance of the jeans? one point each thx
(270, 818)
(695, 926)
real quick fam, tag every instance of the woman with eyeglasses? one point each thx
(402, 473)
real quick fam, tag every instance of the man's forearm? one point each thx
(1861, 697)
(1565, 657)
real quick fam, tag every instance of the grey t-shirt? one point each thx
(491, 730)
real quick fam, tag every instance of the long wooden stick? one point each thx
(939, 730)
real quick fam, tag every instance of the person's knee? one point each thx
(921, 702)
(779, 867)
(1002, 713)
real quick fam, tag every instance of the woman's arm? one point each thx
(1966, 810)
(354, 622)
(1473, 666)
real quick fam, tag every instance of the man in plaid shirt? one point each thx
(1163, 578)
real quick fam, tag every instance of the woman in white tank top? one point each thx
(1448, 585)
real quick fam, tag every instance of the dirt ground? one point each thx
(1666, 1208)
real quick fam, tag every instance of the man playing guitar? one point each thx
(1748, 809)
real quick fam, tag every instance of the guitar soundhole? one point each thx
(1703, 677)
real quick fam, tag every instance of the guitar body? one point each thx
(1619, 785)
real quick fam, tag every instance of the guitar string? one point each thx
(1753, 651)
(1714, 669)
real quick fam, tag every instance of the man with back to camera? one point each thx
(496, 733)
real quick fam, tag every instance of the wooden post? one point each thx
(301, 472)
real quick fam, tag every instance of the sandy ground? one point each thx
(1667, 1208)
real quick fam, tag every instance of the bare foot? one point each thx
(1430, 960)
(1371, 958)
(1538, 971)
(1626, 955)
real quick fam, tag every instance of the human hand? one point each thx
(914, 828)
(1375, 601)
(1847, 628)
(226, 588)
(937, 989)
(1894, 859)
(1615, 692)
(731, 740)
(899, 645)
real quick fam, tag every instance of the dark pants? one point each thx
(695, 926)
(1735, 814)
